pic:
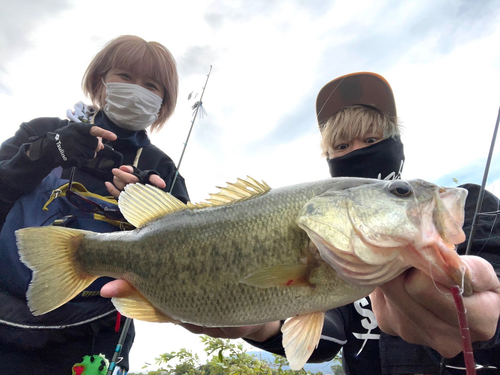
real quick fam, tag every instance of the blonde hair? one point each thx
(355, 122)
(135, 54)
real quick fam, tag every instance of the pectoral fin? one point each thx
(292, 275)
(136, 306)
(301, 336)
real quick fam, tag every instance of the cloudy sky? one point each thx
(270, 58)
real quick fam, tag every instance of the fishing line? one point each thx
(491, 213)
(463, 284)
(448, 295)
(327, 99)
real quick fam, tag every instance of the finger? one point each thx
(156, 180)
(198, 330)
(96, 131)
(127, 168)
(123, 176)
(483, 274)
(380, 307)
(431, 295)
(112, 189)
(397, 298)
(237, 332)
(414, 322)
(100, 145)
(486, 292)
(117, 288)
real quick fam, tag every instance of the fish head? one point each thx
(372, 232)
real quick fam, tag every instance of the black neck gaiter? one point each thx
(384, 160)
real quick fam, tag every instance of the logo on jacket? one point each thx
(369, 322)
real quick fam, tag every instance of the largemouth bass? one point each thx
(254, 254)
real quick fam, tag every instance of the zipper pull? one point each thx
(55, 193)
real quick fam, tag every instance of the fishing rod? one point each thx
(197, 106)
(483, 187)
(119, 345)
(479, 204)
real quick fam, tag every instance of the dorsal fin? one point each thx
(142, 203)
(239, 191)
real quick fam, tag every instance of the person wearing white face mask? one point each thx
(133, 86)
(131, 106)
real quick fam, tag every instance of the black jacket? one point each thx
(53, 342)
(19, 175)
(367, 350)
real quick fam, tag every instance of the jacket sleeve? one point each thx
(333, 337)
(18, 174)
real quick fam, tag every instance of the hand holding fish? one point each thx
(260, 333)
(124, 176)
(412, 307)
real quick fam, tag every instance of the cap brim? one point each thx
(362, 88)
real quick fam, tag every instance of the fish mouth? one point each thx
(440, 261)
(435, 254)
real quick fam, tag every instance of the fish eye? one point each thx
(401, 189)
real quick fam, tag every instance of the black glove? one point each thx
(143, 176)
(71, 145)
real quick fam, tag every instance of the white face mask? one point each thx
(131, 107)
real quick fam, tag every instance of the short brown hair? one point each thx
(355, 122)
(133, 53)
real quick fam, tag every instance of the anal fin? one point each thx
(301, 335)
(136, 306)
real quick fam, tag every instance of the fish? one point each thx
(251, 254)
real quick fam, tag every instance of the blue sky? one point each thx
(270, 58)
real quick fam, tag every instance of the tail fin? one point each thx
(48, 252)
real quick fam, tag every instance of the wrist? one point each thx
(266, 331)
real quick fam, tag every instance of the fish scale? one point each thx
(272, 255)
(209, 251)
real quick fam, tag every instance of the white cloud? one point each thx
(269, 61)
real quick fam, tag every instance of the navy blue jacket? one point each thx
(53, 342)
